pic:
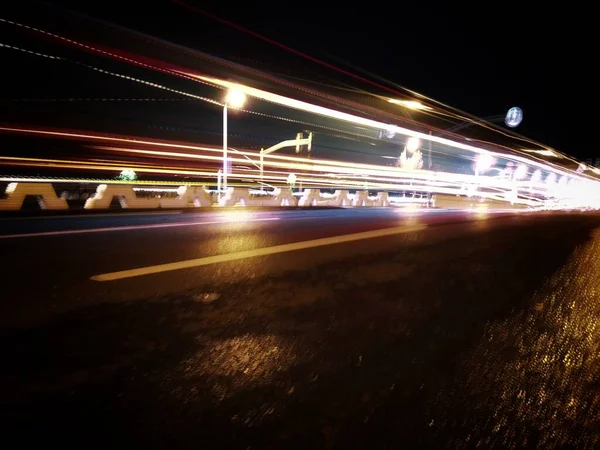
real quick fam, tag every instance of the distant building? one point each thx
(589, 161)
(597, 163)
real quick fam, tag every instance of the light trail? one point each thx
(270, 97)
(349, 175)
(315, 176)
(135, 60)
(175, 70)
(314, 171)
(171, 70)
(268, 158)
(334, 114)
(416, 96)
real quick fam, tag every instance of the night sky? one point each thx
(481, 60)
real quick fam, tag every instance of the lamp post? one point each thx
(483, 163)
(413, 144)
(300, 140)
(411, 157)
(236, 99)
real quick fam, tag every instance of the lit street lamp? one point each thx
(413, 144)
(521, 172)
(291, 180)
(415, 160)
(236, 99)
(483, 163)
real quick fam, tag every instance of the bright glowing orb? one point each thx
(413, 144)
(235, 98)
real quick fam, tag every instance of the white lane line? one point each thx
(92, 215)
(131, 227)
(253, 253)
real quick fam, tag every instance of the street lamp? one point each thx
(236, 99)
(521, 172)
(483, 163)
(413, 144)
(415, 160)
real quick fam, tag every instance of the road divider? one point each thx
(198, 197)
(187, 197)
(279, 197)
(46, 197)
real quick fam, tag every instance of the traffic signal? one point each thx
(307, 142)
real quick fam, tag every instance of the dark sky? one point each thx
(481, 59)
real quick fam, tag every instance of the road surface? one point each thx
(301, 329)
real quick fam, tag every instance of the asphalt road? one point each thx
(265, 329)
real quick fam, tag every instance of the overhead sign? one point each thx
(514, 117)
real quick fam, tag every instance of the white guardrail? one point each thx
(191, 196)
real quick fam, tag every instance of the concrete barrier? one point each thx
(281, 197)
(382, 199)
(201, 197)
(46, 196)
(340, 198)
(125, 194)
(361, 198)
(188, 196)
(233, 196)
(448, 201)
(310, 197)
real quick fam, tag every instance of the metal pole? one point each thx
(225, 148)
(262, 158)
(219, 172)
(429, 167)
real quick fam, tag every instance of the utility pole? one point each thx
(298, 142)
